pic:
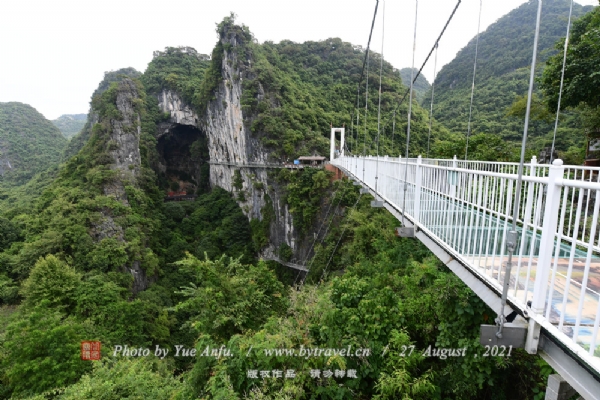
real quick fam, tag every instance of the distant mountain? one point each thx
(70, 124)
(29, 143)
(503, 64)
(421, 85)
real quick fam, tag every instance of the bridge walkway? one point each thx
(462, 211)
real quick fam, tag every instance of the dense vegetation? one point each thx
(582, 73)
(421, 85)
(29, 144)
(70, 124)
(390, 294)
(503, 65)
(180, 69)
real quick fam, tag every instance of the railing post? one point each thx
(453, 174)
(417, 198)
(542, 272)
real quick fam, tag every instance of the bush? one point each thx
(41, 351)
(126, 379)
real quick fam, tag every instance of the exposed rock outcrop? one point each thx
(124, 149)
(232, 145)
(124, 141)
(181, 113)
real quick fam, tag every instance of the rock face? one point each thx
(124, 149)
(124, 141)
(232, 147)
(181, 113)
(126, 132)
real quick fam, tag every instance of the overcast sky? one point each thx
(55, 52)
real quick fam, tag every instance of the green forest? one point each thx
(175, 291)
(501, 84)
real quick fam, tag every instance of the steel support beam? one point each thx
(579, 376)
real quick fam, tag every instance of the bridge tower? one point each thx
(332, 149)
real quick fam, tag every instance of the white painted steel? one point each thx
(467, 206)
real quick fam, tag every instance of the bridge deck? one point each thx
(297, 267)
(265, 165)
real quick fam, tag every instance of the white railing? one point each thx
(467, 206)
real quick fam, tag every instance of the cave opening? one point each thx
(183, 152)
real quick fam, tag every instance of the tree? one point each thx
(582, 70)
(227, 297)
(538, 109)
(53, 280)
(9, 233)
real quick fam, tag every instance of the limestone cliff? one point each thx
(124, 136)
(204, 136)
(123, 143)
(232, 147)
(180, 113)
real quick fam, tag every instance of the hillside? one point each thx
(70, 124)
(503, 64)
(421, 85)
(29, 143)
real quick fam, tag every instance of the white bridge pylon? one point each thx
(462, 211)
(333, 152)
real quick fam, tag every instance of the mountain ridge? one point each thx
(70, 124)
(29, 143)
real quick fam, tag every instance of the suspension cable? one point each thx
(338, 242)
(393, 131)
(349, 144)
(473, 84)
(562, 80)
(356, 144)
(432, 93)
(331, 221)
(318, 233)
(366, 110)
(427, 58)
(409, 112)
(512, 235)
(363, 70)
(379, 106)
